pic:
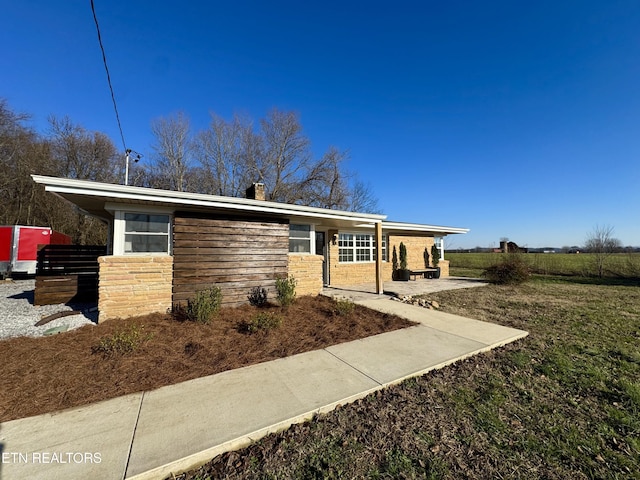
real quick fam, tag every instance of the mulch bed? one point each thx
(83, 366)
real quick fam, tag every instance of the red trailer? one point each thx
(19, 247)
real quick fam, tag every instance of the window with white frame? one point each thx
(300, 238)
(345, 247)
(146, 233)
(359, 247)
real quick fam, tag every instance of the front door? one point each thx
(321, 249)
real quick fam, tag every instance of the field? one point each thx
(563, 403)
(622, 265)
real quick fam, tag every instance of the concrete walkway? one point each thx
(151, 434)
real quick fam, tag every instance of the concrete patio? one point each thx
(420, 286)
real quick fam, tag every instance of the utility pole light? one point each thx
(137, 157)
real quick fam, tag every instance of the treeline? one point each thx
(223, 159)
(67, 151)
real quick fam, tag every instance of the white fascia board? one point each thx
(418, 227)
(113, 207)
(121, 192)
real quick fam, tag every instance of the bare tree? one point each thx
(223, 151)
(601, 244)
(230, 155)
(81, 154)
(325, 182)
(284, 158)
(11, 128)
(78, 153)
(362, 198)
(172, 149)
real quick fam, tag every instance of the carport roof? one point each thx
(97, 199)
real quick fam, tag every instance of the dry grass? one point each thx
(83, 366)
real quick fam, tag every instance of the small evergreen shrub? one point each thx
(394, 264)
(205, 304)
(512, 270)
(344, 307)
(286, 288)
(257, 297)
(121, 342)
(263, 321)
(403, 256)
(394, 259)
(435, 255)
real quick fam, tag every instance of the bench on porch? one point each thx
(426, 272)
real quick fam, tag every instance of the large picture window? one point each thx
(359, 247)
(300, 238)
(146, 233)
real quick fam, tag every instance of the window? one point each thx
(359, 247)
(345, 247)
(146, 233)
(300, 238)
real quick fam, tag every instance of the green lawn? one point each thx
(583, 264)
(563, 403)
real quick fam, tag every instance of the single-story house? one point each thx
(164, 246)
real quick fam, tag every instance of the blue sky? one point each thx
(514, 119)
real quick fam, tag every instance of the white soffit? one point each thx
(419, 227)
(77, 190)
(128, 194)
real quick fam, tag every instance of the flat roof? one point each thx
(93, 197)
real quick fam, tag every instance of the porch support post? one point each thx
(379, 283)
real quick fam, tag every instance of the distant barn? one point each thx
(512, 247)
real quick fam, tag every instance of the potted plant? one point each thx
(403, 272)
(435, 255)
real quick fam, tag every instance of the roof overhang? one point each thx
(101, 199)
(401, 228)
(93, 197)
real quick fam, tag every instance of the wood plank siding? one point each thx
(233, 253)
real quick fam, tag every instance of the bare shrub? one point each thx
(512, 270)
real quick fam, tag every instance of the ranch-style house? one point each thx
(164, 246)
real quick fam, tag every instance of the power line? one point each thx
(104, 60)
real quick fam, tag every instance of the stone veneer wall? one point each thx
(354, 273)
(307, 270)
(415, 249)
(134, 285)
(444, 268)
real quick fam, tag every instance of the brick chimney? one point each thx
(255, 192)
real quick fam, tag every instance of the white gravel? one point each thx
(18, 315)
